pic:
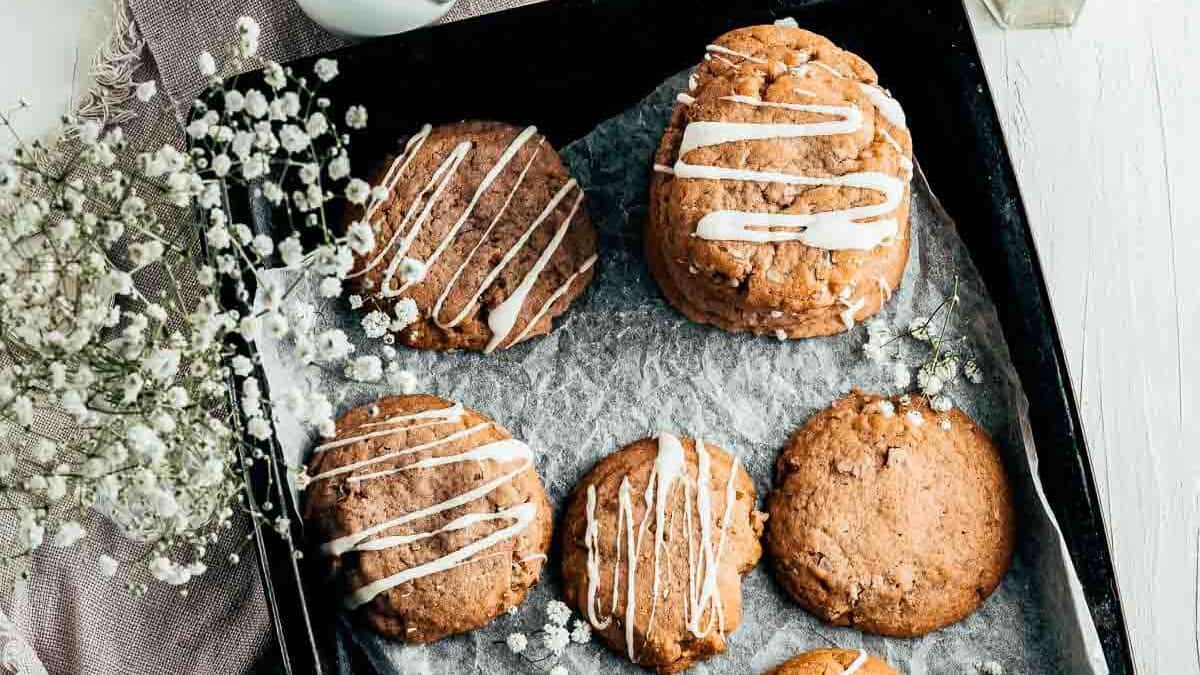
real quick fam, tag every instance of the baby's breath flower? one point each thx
(403, 381)
(248, 33)
(901, 375)
(376, 324)
(145, 91)
(581, 633)
(330, 287)
(411, 270)
(972, 371)
(557, 612)
(326, 69)
(555, 638)
(918, 328)
(207, 65)
(316, 125)
(406, 313)
(360, 237)
(274, 76)
(69, 533)
(929, 383)
(517, 642)
(107, 565)
(357, 191)
(365, 369)
(259, 428)
(559, 669)
(356, 117)
(941, 403)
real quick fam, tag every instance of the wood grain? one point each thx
(1100, 122)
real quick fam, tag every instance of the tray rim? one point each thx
(307, 647)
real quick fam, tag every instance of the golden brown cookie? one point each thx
(483, 230)
(780, 198)
(431, 516)
(890, 517)
(833, 662)
(676, 598)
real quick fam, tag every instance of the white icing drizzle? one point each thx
(828, 68)
(885, 289)
(517, 518)
(392, 176)
(490, 177)
(458, 318)
(354, 466)
(503, 317)
(505, 450)
(702, 134)
(857, 664)
(718, 49)
(437, 183)
(350, 541)
(522, 515)
(887, 106)
(591, 537)
(686, 99)
(663, 168)
(440, 415)
(558, 293)
(703, 557)
(420, 210)
(851, 310)
(447, 414)
(891, 141)
(835, 230)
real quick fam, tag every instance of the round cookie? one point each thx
(432, 517)
(483, 230)
(890, 517)
(779, 202)
(654, 606)
(833, 662)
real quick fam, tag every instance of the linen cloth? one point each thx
(68, 618)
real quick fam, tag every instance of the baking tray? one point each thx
(567, 65)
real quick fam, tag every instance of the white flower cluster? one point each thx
(109, 318)
(555, 636)
(946, 358)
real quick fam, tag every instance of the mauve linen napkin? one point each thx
(69, 618)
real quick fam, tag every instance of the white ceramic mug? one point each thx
(363, 18)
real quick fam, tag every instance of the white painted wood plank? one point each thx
(1100, 122)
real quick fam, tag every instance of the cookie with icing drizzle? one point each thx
(833, 662)
(655, 540)
(432, 517)
(483, 230)
(890, 517)
(780, 195)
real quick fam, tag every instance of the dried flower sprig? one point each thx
(542, 648)
(945, 354)
(115, 327)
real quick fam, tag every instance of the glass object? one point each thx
(364, 18)
(1034, 13)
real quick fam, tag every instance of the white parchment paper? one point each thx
(622, 364)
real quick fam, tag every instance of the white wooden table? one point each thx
(1102, 121)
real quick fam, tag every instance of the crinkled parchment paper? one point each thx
(622, 365)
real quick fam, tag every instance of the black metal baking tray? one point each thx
(566, 65)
